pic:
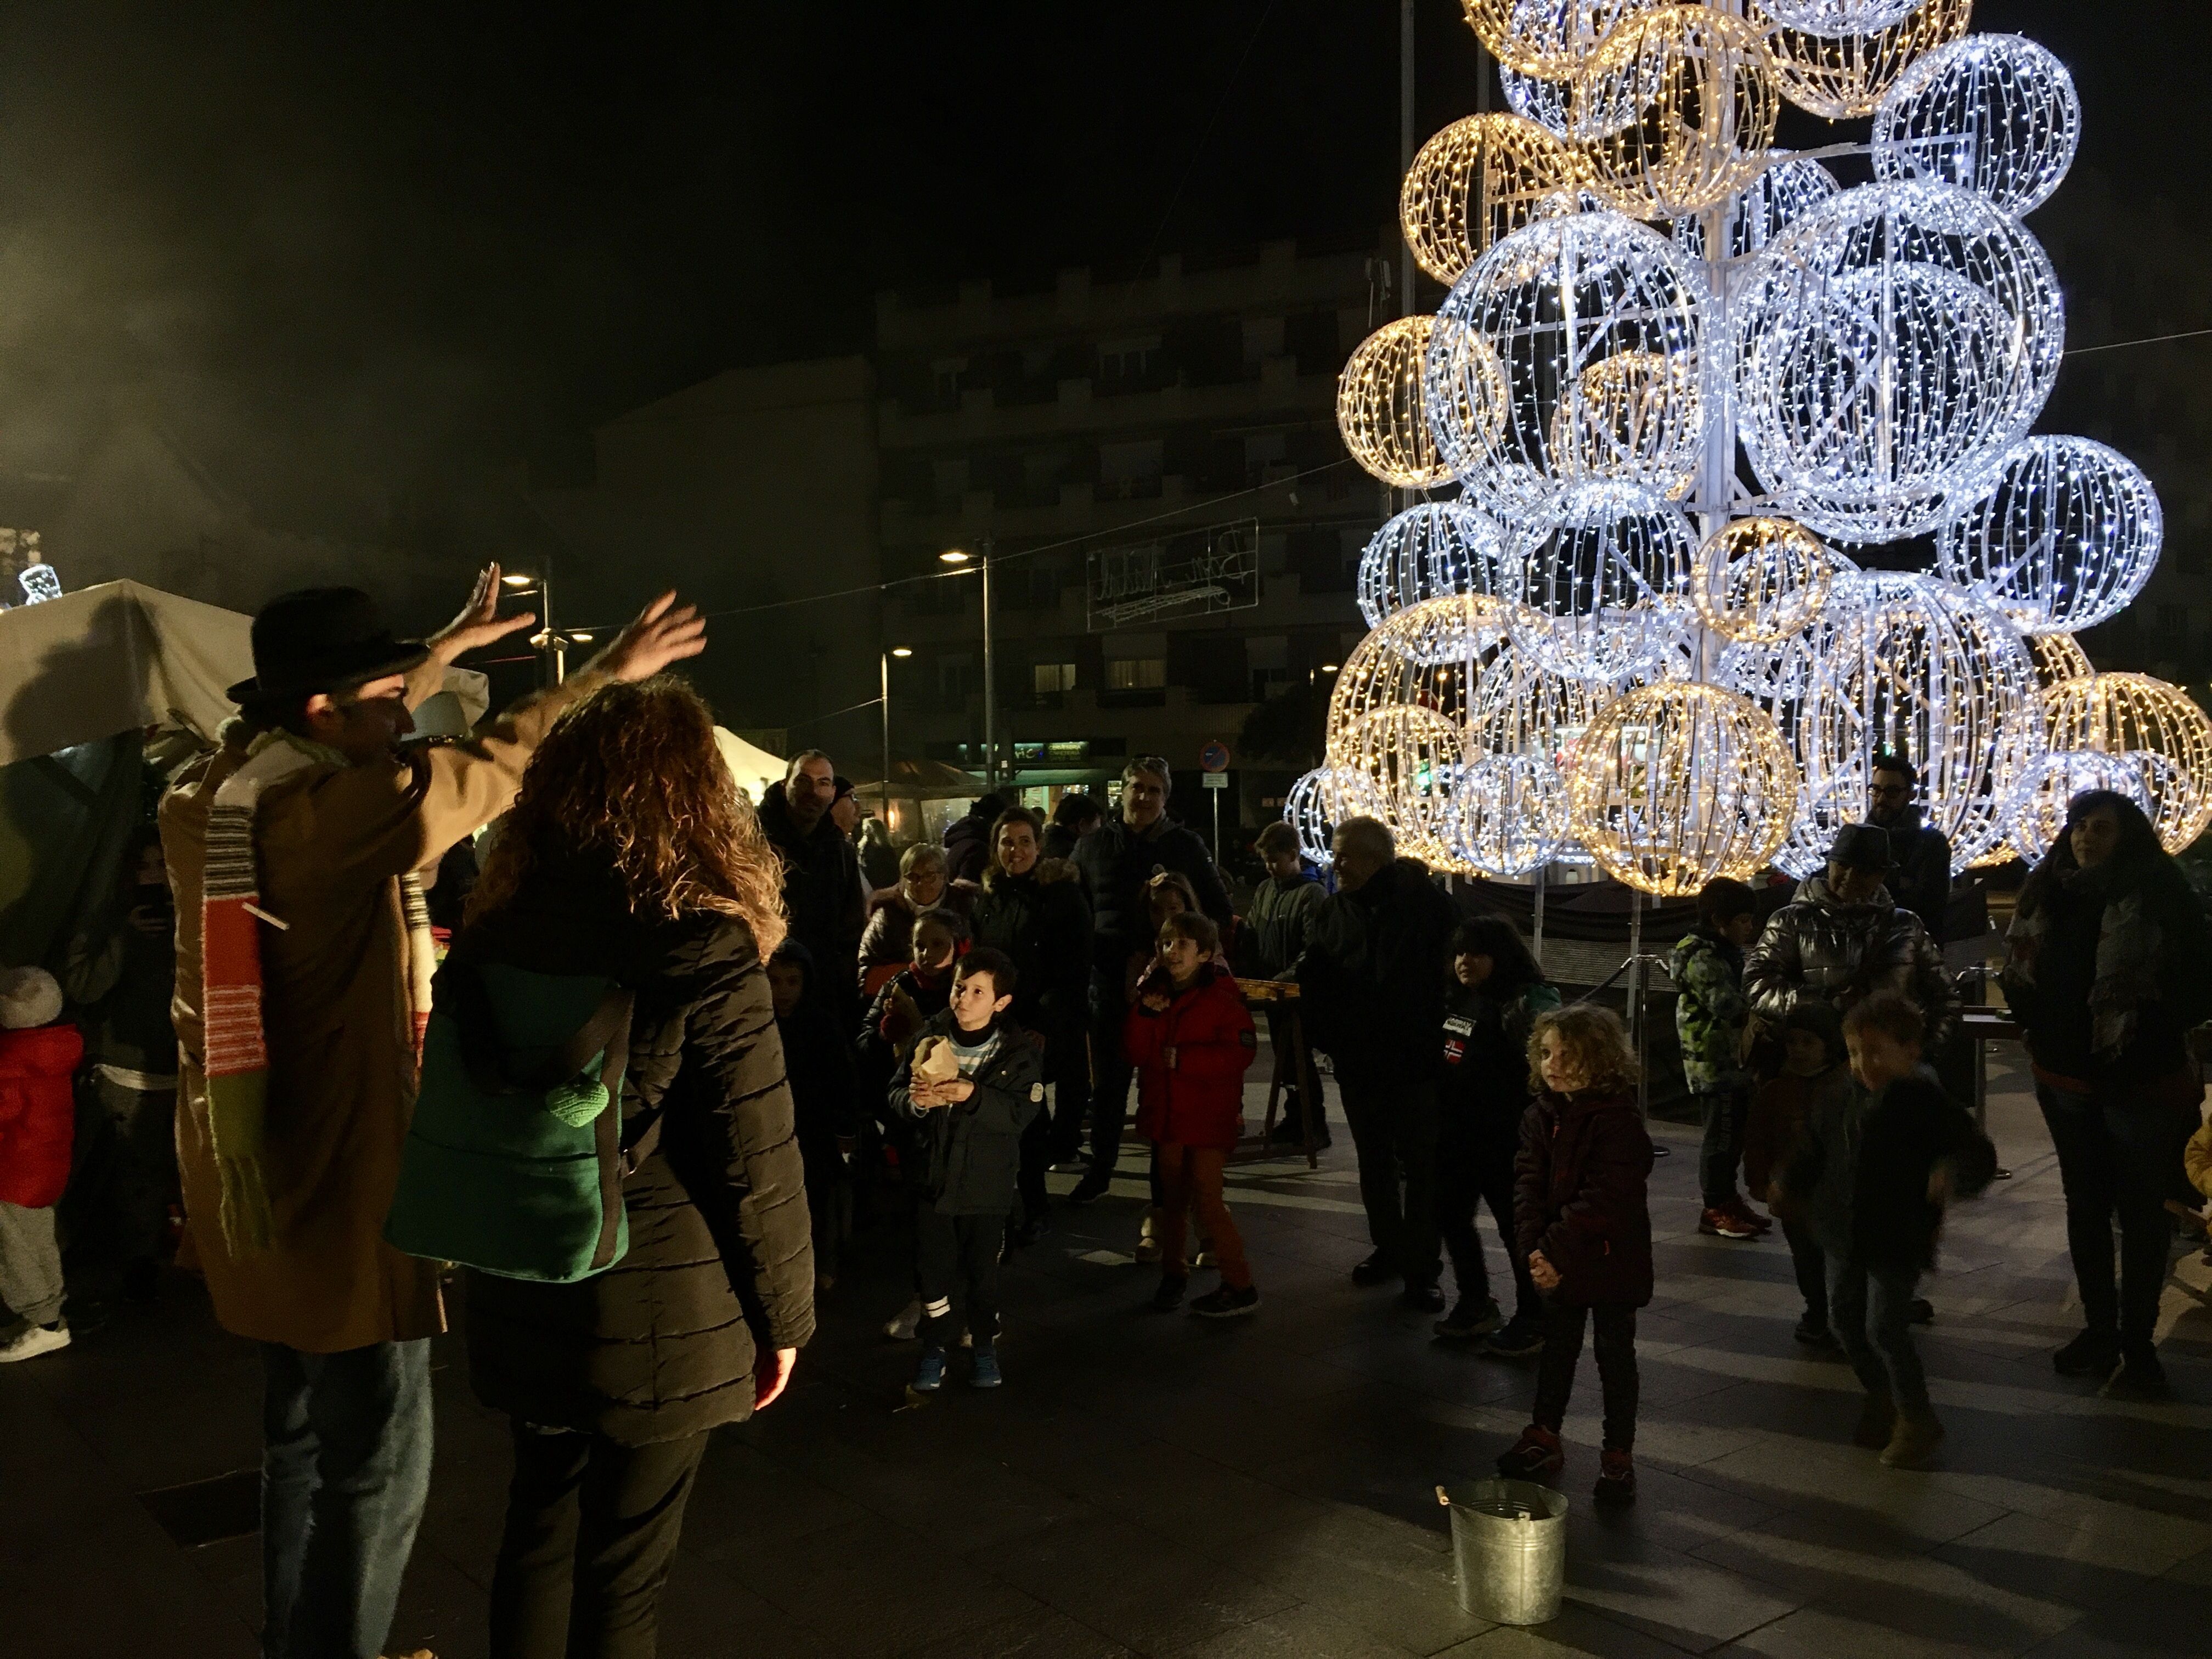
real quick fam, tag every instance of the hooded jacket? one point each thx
(822, 892)
(1376, 969)
(38, 1112)
(1116, 862)
(1710, 1011)
(971, 1152)
(967, 846)
(1578, 1196)
(1276, 924)
(1042, 922)
(1199, 1101)
(1859, 1176)
(1816, 947)
(1485, 1055)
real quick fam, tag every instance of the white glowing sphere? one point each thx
(1306, 810)
(2065, 539)
(1996, 113)
(1784, 193)
(1505, 815)
(1429, 552)
(1760, 580)
(1600, 592)
(1837, 16)
(1890, 345)
(1547, 36)
(1572, 351)
(2039, 803)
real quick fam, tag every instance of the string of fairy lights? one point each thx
(1680, 377)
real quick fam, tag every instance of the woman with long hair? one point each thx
(2107, 972)
(629, 854)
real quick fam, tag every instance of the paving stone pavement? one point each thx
(1156, 1484)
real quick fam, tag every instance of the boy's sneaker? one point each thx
(1812, 1329)
(1093, 1187)
(1470, 1318)
(1877, 1423)
(907, 1325)
(1923, 1312)
(1519, 1340)
(35, 1339)
(2092, 1353)
(1616, 1479)
(1168, 1297)
(1750, 1217)
(2141, 1376)
(929, 1375)
(1912, 1443)
(1375, 1269)
(1225, 1303)
(1725, 1223)
(987, 1374)
(1534, 1455)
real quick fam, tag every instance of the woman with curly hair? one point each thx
(1584, 1225)
(629, 853)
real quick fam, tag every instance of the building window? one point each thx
(1136, 673)
(1048, 677)
(955, 675)
(1127, 360)
(944, 375)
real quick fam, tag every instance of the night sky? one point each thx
(357, 250)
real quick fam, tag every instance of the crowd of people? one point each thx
(678, 1050)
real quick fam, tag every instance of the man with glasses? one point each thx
(1117, 859)
(1920, 880)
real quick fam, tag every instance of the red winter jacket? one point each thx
(1200, 1101)
(1578, 1196)
(38, 1112)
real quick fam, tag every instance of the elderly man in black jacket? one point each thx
(822, 892)
(1116, 860)
(1374, 976)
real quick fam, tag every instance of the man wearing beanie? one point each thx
(303, 971)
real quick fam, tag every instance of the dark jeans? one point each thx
(123, 1175)
(2118, 1154)
(1812, 1269)
(1475, 1168)
(591, 1531)
(1391, 1115)
(1723, 1115)
(345, 1468)
(1109, 1069)
(1615, 1339)
(1070, 1099)
(957, 1252)
(1871, 1314)
(1037, 1159)
(1302, 1103)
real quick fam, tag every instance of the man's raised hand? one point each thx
(664, 633)
(479, 623)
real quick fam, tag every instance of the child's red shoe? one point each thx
(1535, 1454)
(1616, 1478)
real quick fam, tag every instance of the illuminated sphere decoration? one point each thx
(1785, 192)
(1592, 595)
(1431, 551)
(1536, 411)
(1891, 345)
(1676, 109)
(2133, 714)
(1306, 810)
(1506, 816)
(2065, 540)
(1378, 406)
(1477, 180)
(1760, 580)
(2040, 803)
(1838, 16)
(1675, 786)
(1843, 76)
(1547, 36)
(1549, 103)
(1995, 113)
(2058, 657)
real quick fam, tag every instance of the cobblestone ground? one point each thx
(1154, 1485)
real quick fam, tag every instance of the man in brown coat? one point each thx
(286, 1206)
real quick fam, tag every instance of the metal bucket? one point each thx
(1509, 1549)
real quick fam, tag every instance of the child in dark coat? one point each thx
(824, 1101)
(1871, 1177)
(1584, 1225)
(1191, 1040)
(1814, 1079)
(971, 1083)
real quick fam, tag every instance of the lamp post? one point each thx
(884, 698)
(958, 556)
(551, 644)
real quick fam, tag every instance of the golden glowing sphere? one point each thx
(1626, 421)
(1759, 580)
(1477, 180)
(2135, 715)
(1379, 408)
(1682, 102)
(1548, 38)
(1843, 76)
(2058, 657)
(1676, 785)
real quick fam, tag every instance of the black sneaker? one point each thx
(1289, 1133)
(1922, 1311)
(1519, 1340)
(2092, 1353)
(1375, 1270)
(1469, 1317)
(1225, 1303)
(1091, 1188)
(1168, 1297)
(2141, 1376)
(1812, 1331)
(1425, 1295)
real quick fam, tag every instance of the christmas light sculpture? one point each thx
(1379, 410)
(1552, 302)
(1431, 551)
(2064, 539)
(2157, 724)
(1592, 593)
(1305, 810)
(1676, 110)
(1762, 580)
(1843, 76)
(1784, 192)
(1549, 103)
(1675, 786)
(1838, 16)
(2058, 657)
(1547, 36)
(1994, 112)
(2039, 813)
(1505, 815)
(1479, 180)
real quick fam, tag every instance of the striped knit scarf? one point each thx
(231, 1001)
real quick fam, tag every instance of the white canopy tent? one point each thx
(753, 767)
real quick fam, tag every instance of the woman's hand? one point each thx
(769, 1381)
(1546, 1275)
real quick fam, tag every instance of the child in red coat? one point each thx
(1191, 1040)
(38, 1119)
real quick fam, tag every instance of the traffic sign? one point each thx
(1214, 757)
(1216, 780)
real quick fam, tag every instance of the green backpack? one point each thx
(514, 1162)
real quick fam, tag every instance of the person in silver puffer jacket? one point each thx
(1842, 938)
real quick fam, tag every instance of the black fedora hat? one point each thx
(322, 639)
(1863, 846)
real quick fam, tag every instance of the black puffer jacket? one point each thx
(663, 1343)
(1859, 1174)
(1375, 972)
(971, 1152)
(1819, 948)
(822, 893)
(1042, 921)
(1116, 862)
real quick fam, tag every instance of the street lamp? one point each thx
(960, 556)
(884, 698)
(518, 583)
